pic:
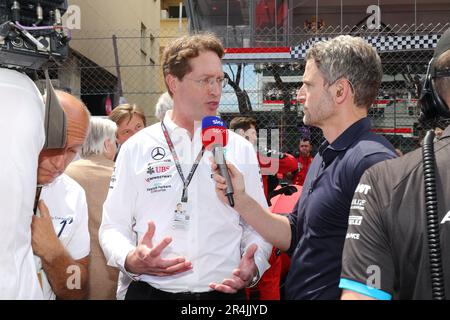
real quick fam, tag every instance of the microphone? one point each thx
(215, 138)
(37, 196)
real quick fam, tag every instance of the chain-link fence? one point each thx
(106, 68)
(269, 82)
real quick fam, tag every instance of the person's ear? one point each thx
(342, 90)
(172, 82)
(240, 132)
(106, 145)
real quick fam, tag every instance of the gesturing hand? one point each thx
(146, 258)
(242, 276)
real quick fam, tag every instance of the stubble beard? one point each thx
(323, 111)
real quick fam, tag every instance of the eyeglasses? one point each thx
(210, 82)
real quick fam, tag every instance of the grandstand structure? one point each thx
(270, 38)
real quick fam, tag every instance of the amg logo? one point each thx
(352, 236)
(355, 220)
(358, 204)
(363, 188)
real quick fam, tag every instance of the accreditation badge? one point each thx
(181, 217)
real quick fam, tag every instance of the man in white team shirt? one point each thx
(210, 253)
(22, 121)
(60, 238)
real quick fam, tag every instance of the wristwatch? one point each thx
(255, 279)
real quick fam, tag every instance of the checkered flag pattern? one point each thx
(380, 43)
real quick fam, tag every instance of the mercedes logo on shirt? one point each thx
(158, 153)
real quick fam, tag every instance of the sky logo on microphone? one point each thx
(214, 132)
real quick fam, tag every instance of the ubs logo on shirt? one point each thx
(157, 169)
(158, 172)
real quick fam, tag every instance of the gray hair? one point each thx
(164, 103)
(100, 130)
(353, 59)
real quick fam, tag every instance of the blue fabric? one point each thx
(319, 222)
(364, 289)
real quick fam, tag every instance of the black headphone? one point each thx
(431, 104)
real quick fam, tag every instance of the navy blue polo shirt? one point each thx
(319, 221)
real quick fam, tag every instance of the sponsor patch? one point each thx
(363, 188)
(358, 204)
(446, 218)
(354, 236)
(158, 187)
(355, 220)
(158, 153)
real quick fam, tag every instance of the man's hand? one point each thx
(45, 242)
(146, 258)
(236, 179)
(55, 258)
(242, 276)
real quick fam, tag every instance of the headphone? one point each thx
(431, 104)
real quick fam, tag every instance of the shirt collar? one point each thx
(172, 126)
(344, 141)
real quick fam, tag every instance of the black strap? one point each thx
(186, 182)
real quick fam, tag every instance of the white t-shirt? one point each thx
(66, 202)
(22, 124)
(146, 186)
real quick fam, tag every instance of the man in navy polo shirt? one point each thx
(341, 80)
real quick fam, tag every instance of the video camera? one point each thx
(32, 33)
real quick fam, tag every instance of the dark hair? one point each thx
(305, 139)
(243, 123)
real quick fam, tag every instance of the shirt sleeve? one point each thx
(79, 245)
(367, 264)
(294, 219)
(116, 233)
(287, 164)
(22, 123)
(254, 188)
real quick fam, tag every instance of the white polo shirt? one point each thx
(66, 202)
(146, 186)
(22, 124)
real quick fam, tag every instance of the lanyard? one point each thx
(184, 197)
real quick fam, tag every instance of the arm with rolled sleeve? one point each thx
(367, 264)
(116, 233)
